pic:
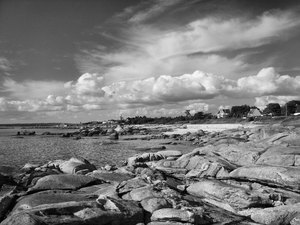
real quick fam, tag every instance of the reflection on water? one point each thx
(41, 149)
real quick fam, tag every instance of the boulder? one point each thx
(74, 165)
(23, 219)
(49, 197)
(129, 209)
(6, 202)
(29, 167)
(146, 157)
(7, 173)
(141, 193)
(293, 139)
(276, 138)
(129, 185)
(279, 156)
(30, 179)
(242, 154)
(169, 214)
(114, 136)
(281, 215)
(207, 170)
(119, 129)
(63, 182)
(227, 196)
(101, 212)
(288, 177)
(111, 177)
(295, 220)
(170, 153)
(153, 204)
(106, 189)
(196, 164)
(172, 171)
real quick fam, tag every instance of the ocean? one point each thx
(15, 151)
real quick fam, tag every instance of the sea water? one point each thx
(16, 151)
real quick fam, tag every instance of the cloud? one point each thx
(157, 8)
(188, 86)
(142, 50)
(165, 88)
(87, 84)
(261, 102)
(164, 95)
(27, 106)
(146, 10)
(32, 89)
(268, 82)
(5, 65)
(200, 85)
(91, 91)
(197, 107)
(215, 34)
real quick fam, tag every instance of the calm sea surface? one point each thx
(41, 149)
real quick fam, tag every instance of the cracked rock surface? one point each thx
(241, 176)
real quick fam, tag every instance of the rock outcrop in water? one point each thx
(242, 176)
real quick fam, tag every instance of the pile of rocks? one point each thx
(234, 177)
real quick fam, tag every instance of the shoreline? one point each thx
(230, 176)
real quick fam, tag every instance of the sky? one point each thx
(87, 60)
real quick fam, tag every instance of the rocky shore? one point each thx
(239, 176)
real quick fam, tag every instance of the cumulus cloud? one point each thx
(87, 84)
(198, 85)
(90, 89)
(164, 95)
(268, 82)
(197, 107)
(188, 86)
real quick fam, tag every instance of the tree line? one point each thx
(166, 120)
(272, 109)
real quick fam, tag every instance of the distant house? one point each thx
(297, 113)
(223, 113)
(254, 112)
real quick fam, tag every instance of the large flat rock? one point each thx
(288, 177)
(49, 197)
(280, 156)
(64, 182)
(280, 215)
(100, 212)
(227, 196)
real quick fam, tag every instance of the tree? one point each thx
(239, 111)
(290, 107)
(273, 109)
(199, 116)
(187, 113)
